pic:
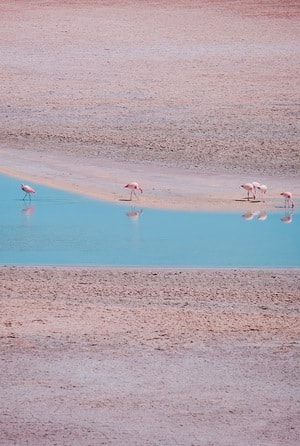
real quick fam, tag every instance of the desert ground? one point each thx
(148, 357)
(191, 99)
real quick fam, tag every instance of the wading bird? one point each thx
(28, 190)
(133, 186)
(263, 189)
(288, 202)
(255, 185)
(249, 188)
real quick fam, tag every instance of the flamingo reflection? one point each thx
(28, 211)
(262, 216)
(249, 215)
(288, 217)
(134, 214)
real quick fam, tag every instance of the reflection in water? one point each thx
(28, 211)
(61, 228)
(261, 215)
(288, 217)
(134, 214)
(248, 215)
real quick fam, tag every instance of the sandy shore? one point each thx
(191, 99)
(164, 187)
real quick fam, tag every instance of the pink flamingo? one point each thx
(255, 186)
(28, 190)
(249, 188)
(263, 189)
(133, 186)
(288, 202)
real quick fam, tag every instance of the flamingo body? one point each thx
(28, 190)
(133, 186)
(249, 188)
(255, 185)
(263, 189)
(288, 202)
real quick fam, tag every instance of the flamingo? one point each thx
(249, 188)
(133, 186)
(28, 190)
(263, 189)
(255, 186)
(288, 202)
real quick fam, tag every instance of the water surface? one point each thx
(60, 228)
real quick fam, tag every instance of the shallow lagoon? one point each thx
(61, 228)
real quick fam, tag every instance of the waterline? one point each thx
(60, 228)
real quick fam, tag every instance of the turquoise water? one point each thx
(61, 228)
